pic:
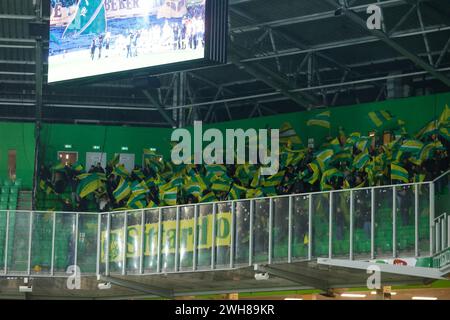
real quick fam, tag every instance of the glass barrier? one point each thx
(104, 238)
(228, 234)
(204, 236)
(186, 238)
(151, 231)
(64, 241)
(41, 244)
(362, 223)
(117, 242)
(134, 241)
(3, 232)
(405, 221)
(242, 234)
(320, 224)
(223, 229)
(20, 239)
(280, 229)
(442, 196)
(300, 227)
(341, 224)
(168, 236)
(383, 222)
(261, 231)
(423, 194)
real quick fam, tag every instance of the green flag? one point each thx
(380, 118)
(320, 120)
(236, 192)
(398, 173)
(209, 197)
(90, 18)
(169, 196)
(120, 171)
(89, 183)
(361, 160)
(138, 188)
(411, 146)
(122, 191)
(274, 180)
(288, 135)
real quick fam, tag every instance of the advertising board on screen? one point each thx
(97, 37)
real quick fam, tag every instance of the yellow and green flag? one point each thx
(320, 120)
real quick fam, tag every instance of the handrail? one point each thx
(324, 246)
(441, 216)
(248, 199)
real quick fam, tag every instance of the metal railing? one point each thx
(357, 224)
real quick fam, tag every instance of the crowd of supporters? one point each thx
(347, 160)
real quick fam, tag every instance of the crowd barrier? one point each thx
(409, 220)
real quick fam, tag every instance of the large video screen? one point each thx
(97, 37)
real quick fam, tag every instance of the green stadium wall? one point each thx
(19, 137)
(110, 139)
(416, 112)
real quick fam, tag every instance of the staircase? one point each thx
(24, 201)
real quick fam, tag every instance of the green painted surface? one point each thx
(416, 112)
(19, 137)
(110, 139)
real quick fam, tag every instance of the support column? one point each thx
(38, 97)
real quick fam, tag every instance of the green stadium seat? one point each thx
(7, 183)
(18, 183)
(4, 189)
(14, 190)
(4, 198)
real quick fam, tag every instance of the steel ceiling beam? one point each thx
(160, 108)
(333, 85)
(394, 45)
(309, 18)
(272, 79)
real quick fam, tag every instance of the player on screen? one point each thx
(93, 47)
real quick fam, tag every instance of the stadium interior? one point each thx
(86, 177)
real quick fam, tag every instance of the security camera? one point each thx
(104, 285)
(261, 276)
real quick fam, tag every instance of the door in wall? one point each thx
(12, 164)
(67, 158)
(128, 160)
(92, 158)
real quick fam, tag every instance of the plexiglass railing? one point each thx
(358, 224)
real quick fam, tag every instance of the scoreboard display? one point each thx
(92, 39)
